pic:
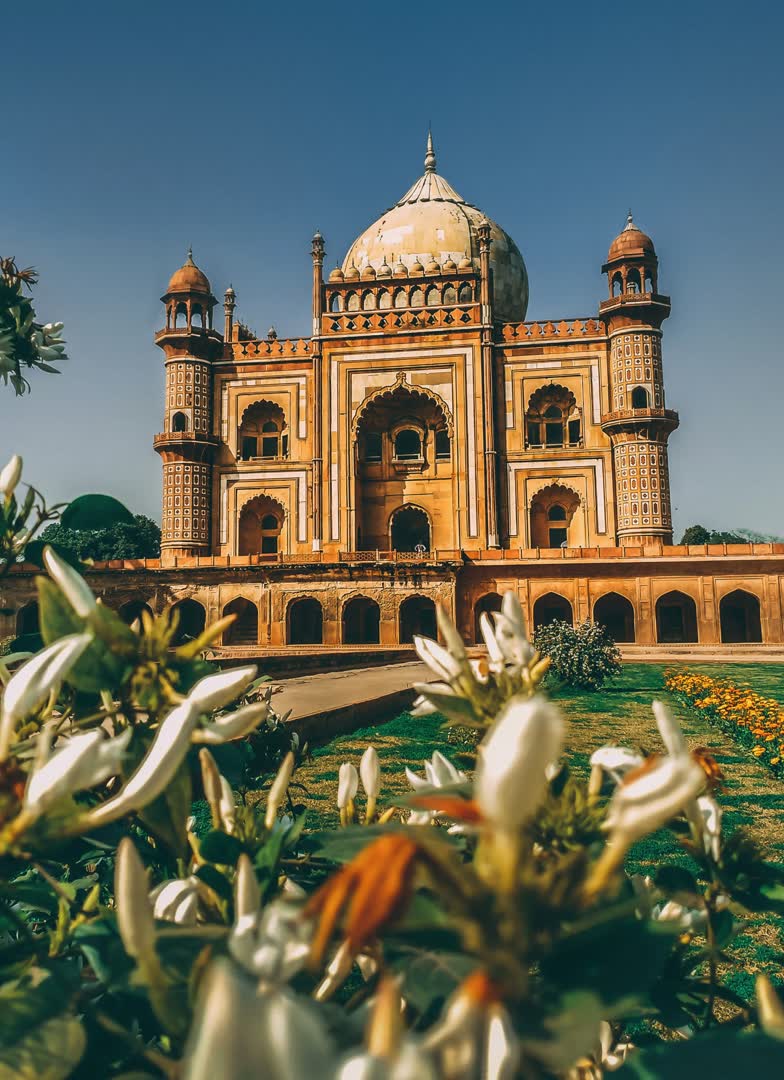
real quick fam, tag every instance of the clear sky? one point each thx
(134, 130)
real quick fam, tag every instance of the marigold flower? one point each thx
(372, 889)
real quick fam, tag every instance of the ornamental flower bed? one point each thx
(749, 718)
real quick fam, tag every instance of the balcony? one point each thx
(667, 419)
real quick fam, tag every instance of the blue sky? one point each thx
(136, 130)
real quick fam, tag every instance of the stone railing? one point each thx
(271, 349)
(566, 328)
(392, 320)
(621, 416)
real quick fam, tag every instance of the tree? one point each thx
(140, 539)
(24, 343)
(698, 534)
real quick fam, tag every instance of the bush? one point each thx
(583, 656)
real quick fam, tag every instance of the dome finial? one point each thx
(629, 221)
(430, 156)
(189, 261)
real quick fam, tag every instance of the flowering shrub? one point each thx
(583, 656)
(482, 928)
(752, 720)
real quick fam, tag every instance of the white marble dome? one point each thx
(432, 223)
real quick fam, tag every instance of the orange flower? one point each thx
(707, 762)
(452, 805)
(372, 889)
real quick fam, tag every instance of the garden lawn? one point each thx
(620, 714)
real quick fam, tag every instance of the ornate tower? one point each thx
(187, 443)
(638, 424)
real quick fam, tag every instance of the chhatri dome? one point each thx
(189, 278)
(431, 224)
(631, 241)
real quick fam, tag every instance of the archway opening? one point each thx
(676, 619)
(132, 610)
(261, 523)
(485, 605)
(410, 529)
(27, 620)
(417, 616)
(552, 513)
(552, 608)
(192, 619)
(739, 614)
(361, 619)
(616, 615)
(305, 622)
(179, 422)
(263, 432)
(245, 628)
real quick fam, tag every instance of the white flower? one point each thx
(72, 585)
(509, 633)
(247, 895)
(475, 1036)
(272, 944)
(217, 691)
(227, 806)
(770, 1010)
(709, 815)
(616, 760)
(215, 793)
(669, 729)
(370, 773)
(10, 476)
(409, 1063)
(176, 901)
(438, 659)
(135, 919)
(235, 725)
(348, 784)
(242, 1033)
(156, 769)
(644, 804)
(29, 687)
(278, 789)
(510, 778)
(80, 762)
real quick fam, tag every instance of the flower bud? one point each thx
(370, 773)
(247, 895)
(217, 691)
(72, 585)
(81, 762)
(176, 901)
(29, 687)
(348, 784)
(10, 476)
(278, 789)
(510, 777)
(235, 725)
(135, 919)
(211, 782)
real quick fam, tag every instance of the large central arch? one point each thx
(409, 529)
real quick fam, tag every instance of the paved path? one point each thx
(332, 701)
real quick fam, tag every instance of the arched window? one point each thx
(304, 622)
(617, 284)
(179, 422)
(408, 445)
(180, 316)
(417, 616)
(553, 418)
(443, 446)
(633, 284)
(385, 300)
(245, 628)
(410, 529)
(466, 294)
(552, 514)
(417, 297)
(371, 446)
(650, 284)
(191, 619)
(27, 621)
(487, 605)
(433, 296)
(360, 624)
(450, 294)
(676, 619)
(197, 316)
(352, 302)
(552, 608)
(616, 615)
(368, 301)
(739, 613)
(640, 399)
(264, 432)
(260, 526)
(336, 302)
(401, 298)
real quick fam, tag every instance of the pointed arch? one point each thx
(552, 607)
(401, 384)
(616, 615)
(416, 616)
(260, 526)
(739, 617)
(360, 621)
(676, 619)
(192, 619)
(245, 628)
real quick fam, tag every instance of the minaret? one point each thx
(317, 254)
(638, 423)
(187, 443)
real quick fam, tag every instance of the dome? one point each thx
(189, 278)
(336, 274)
(631, 242)
(432, 223)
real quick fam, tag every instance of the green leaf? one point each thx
(675, 879)
(219, 847)
(98, 668)
(166, 816)
(715, 1054)
(50, 1051)
(216, 881)
(95, 512)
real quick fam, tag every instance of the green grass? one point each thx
(620, 713)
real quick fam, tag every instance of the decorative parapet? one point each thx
(393, 320)
(566, 328)
(621, 417)
(271, 349)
